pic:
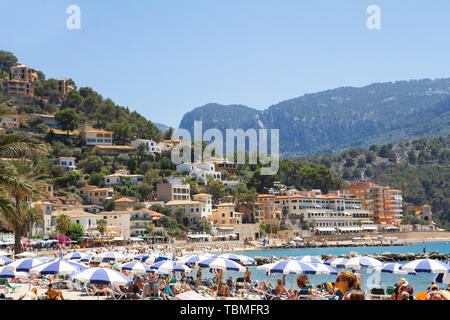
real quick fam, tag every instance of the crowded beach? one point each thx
(168, 272)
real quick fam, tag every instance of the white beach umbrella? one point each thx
(24, 264)
(221, 263)
(5, 273)
(4, 260)
(169, 266)
(110, 256)
(366, 262)
(26, 254)
(309, 259)
(101, 276)
(239, 258)
(60, 267)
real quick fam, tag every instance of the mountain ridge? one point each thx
(331, 120)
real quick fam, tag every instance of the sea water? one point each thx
(370, 278)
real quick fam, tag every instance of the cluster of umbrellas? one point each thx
(315, 265)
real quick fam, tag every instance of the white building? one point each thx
(200, 171)
(68, 163)
(119, 176)
(150, 145)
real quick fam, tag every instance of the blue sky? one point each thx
(164, 58)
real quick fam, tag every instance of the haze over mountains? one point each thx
(332, 120)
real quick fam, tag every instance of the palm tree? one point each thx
(150, 228)
(62, 224)
(101, 227)
(32, 217)
(21, 182)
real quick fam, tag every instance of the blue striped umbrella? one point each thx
(80, 266)
(337, 262)
(87, 258)
(110, 256)
(169, 266)
(5, 273)
(75, 256)
(137, 267)
(101, 276)
(309, 259)
(141, 257)
(426, 265)
(393, 268)
(324, 269)
(192, 260)
(221, 263)
(366, 262)
(59, 267)
(443, 278)
(289, 267)
(24, 264)
(4, 260)
(239, 258)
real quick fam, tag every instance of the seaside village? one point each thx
(117, 218)
(361, 208)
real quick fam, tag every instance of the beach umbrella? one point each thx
(221, 263)
(309, 259)
(80, 266)
(426, 265)
(192, 260)
(291, 266)
(60, 267)
(169, 266)
(141, 257)
(239, 258)
(5, 273)
(101, 276)
(366, 262)
(4, 260)
(324, 269)
(87, 258)
(110, 256)
(394, 268)
(137, 267)
(26, 255)
(297, 239)
(443, 278)
(24, 264)
(5, 253)
(75, 256)
(337, 262)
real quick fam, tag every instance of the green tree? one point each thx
(215, 188)
(75, 231)
(67, 119)
(7, 60)
(91, 164)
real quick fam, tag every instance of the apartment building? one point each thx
(117, 178)
(25, 73)
(96, 195)
(223, 164)
(225, 214)
(173, 191)
(18, 88)
(194, 211)
(422, 212)
(95, 137)
(384, 202)
(64, 86)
